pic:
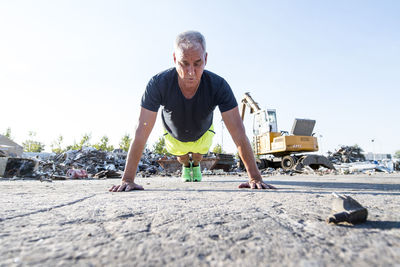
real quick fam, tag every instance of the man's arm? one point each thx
(146, 122)
(235, 126)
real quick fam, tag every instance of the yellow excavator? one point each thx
(280, 149)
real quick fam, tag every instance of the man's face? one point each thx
(190, 65)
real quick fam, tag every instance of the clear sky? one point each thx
(74, 67)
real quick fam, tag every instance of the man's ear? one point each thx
(205, 59)
(174, 57)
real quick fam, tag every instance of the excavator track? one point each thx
(314, 161)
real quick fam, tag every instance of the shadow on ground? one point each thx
(340, 185)
(381, 225)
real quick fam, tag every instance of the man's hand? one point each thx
(234, 124)
(256, 184)
(125, 186)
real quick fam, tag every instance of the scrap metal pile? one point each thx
(89, 159)
(89, 162)
(94, 163)
(85, 163)
(350, 160)
(17, 167)
(346, 154)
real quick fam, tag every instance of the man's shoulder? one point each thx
(162, 80)
(212, 76)
(157, 89)
(214, 81)
(165, 74)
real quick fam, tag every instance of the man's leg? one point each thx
(196, 159)
(184, 160)
(186, 167)
(196, 166)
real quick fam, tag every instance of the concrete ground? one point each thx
(212, 223)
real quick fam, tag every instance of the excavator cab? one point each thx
(272, 120)
(264, 122)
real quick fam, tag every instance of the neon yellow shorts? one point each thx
(178, 148)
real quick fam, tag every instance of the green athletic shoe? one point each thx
(196, 173)
(186, 173)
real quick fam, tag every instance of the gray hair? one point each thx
(190, 39)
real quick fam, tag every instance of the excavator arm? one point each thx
(248, 101)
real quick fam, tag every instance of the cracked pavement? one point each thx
(211, 223)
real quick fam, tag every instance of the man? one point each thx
(189, 95)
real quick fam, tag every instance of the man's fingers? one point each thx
(125, 187)
(271, 187)
(256, 185)
(268, 186)
(244, 185)
(128, 188)
(265, 186)
(115, 188)
(121, 188)
(138, 187)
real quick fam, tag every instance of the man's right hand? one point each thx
(125, 186)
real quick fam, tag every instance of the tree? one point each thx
(159, 147)
(8, 133)
(218, 149)
(85, 141)
(125, 142)
(56, 146)
(103, 144)
(397, 154)
(32, 145)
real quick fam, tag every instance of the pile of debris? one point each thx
(17, 167)
(346, 154)
(87, 162)
(351, 160)
(366, 167)
(95, 163)
(306, 170)
(88, 159)
(148, 164)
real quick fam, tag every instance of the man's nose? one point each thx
(190, 70)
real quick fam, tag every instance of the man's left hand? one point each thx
(256, 184)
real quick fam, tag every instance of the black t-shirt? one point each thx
(187, 119)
